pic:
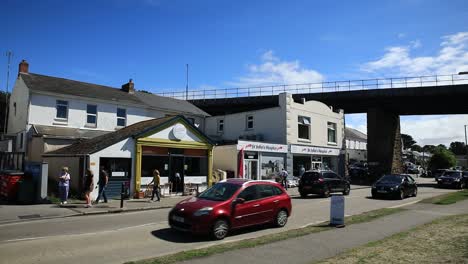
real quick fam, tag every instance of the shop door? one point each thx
(177, 167)
(316, 165)
(251, 169)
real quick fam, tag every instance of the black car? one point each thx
(454, 179)
(322, 183)
(395, 185)
(438, 173)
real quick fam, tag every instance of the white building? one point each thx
(291, 134)
(356, 145)
(48, 113)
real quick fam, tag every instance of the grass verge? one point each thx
(442, 241)
(266, 239)
(449, 198)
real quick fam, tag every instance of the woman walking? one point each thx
(64, 183)
(88, 187)
(156, 185)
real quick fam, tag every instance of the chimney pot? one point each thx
(23, 67)
(129, 87)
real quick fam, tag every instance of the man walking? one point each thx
(284, 178)
(103, 180)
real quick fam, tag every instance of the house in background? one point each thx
(356, 146)
(48, 113)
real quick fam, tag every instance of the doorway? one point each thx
(177, 173)
(251, 169)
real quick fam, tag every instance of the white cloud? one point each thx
(272, 71)
(398, 60)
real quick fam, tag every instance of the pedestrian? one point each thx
(102, 183)
(88, 186)
(156, 185)
(301, 170)
(178, 180)
(284, 178)
(64, 184)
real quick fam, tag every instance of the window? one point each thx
(266, 191)
(220, 125)
(249, 122)
(91, 115)
(303, 127)
(330, 175)
(21, 140)
(191, 120)
(331, 133)
(249, 194)
(121, 117)
(196, 166)
(62, 109)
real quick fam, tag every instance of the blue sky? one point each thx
(241, 44)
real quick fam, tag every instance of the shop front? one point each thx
(260, 161)
(314, 158)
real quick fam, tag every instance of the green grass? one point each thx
(266, 239)
(449, 198)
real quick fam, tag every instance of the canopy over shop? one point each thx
(172, 145)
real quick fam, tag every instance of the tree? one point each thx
(442, 159)
(442, 146)
(408, 141)
(417, 148)
(458, 148)
(429, 148)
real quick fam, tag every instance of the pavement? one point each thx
(21, 213)
(322, 245)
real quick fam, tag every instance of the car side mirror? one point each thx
(239, 201)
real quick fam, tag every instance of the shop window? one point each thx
(331, 133)
(303, 127)
(151, 162)
(249, 125)
(271, 166)
(118, 168)
(196, 166)
(220, 125)
(121, 117)
(62, 109)
(91, 115)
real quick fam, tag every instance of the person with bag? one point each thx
(102, 183)
(284, 178)
(88, 186)
(156, 185)
(64, 185)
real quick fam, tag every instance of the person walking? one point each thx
(88, 186)
(301, 170)
(102, 183)
(64, 184)
(284, 178)
(156, 185)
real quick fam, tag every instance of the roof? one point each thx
(92, 145)
(49, 84)
(354, 134)
(66, 132)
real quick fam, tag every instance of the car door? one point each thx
(269, 200)
(248, 212)
(408, 184)
(332, 180)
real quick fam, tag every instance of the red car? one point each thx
(232, 204)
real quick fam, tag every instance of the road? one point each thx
(132, 236)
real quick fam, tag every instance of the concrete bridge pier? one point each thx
(384, 146)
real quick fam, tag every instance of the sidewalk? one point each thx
(20, 213)
(319, 246)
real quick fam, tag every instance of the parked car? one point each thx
(323, 183)
(292, 181)
(438, 173)
(454, 179)
(232, 204)
(395, 185)
(413, 170)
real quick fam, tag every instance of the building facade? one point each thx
(356, 146)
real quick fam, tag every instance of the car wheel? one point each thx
(415, 193)
(220, 229)
(346, 190)
(463, 185)
(281, 218)
(303, 195)
(402, 195)
(326, 192)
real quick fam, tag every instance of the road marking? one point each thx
(405, 204)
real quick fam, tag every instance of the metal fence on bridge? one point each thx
(321, 87)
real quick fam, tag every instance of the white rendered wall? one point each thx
(167, 134)
(225, 158)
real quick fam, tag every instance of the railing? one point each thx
(322, 87)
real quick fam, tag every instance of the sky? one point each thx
(241, 43)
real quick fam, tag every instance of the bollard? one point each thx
(122, 193)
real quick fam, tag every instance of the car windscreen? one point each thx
(220, 192)
(310, 176)
(451, 174)
(391, 179)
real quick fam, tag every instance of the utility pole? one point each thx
(466, 147)
(8, 54)
(186, 86)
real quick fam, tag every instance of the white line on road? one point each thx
(405, 204)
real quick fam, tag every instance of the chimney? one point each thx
(129, 87)
(23, 67)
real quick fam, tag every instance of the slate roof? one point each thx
(49, 84)
(66, 132)
(353, 134)
(92, 145)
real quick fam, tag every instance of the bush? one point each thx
(442, 159)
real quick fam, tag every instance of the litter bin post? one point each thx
(337, 211)
(122, 193)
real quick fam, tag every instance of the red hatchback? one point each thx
(232, 204)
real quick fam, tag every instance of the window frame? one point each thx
(121, 118)
(220, 126)
(247, 121)
(333, 128)
(299, 124)
(91, 114)
(62, 103)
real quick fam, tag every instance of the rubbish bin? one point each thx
(9, 184)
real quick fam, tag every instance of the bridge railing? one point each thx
(321, 87)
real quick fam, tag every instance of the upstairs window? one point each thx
(303, 127)
(249, 122)
(220, 125)
(91, 115)
(121, 117)
(331, 133)
(62, 109)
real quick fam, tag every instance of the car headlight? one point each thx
(457, 180)
(439, 179)
(203, 211)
